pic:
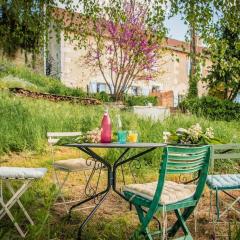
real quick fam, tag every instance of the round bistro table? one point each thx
(88, 148)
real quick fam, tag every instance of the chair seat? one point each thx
(21, 173)
(72, 165)
(172, 192)
(224, 181)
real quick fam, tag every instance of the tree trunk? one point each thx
(193, 81)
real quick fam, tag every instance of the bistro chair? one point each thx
(224, 183)
(68, 166)
(164, 196)
(26, 176)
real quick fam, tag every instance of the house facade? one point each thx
(67, 63)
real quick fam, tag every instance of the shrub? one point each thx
(103, 96)
(139, 100)
(212, 108)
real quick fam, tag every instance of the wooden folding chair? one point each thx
(69, 166)
(163, 196)
(26, 176)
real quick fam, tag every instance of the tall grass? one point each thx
(24, 123)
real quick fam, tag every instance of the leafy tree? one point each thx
(124, 49)
(224, 73)
(24, 25)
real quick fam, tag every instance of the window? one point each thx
(155, 88)
(92, 87)
(1, 13)
(237, 99)
(101, 87)
(136, 91)
(188, 66)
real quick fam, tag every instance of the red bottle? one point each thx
(106, 128)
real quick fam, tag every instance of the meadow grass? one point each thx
(24, 123)
(15, 76)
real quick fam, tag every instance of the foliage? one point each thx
(139, 100)
(92, 136)
(212, 108)
(224, 73)
(124, 49)
(193, 135)
(103, 96)
(24, 25)
(203, 18)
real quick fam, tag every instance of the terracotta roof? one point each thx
(76, 18)
(181, 46)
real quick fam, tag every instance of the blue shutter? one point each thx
(145, 91)
(92, 87)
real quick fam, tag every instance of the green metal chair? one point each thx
(224, 183)
(163, 196)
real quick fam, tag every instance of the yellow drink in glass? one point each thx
(132, 137)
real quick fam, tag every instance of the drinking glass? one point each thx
(122, 136)
(133, 136)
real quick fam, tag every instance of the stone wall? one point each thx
(19, 60)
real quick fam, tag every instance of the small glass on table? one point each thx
(133, 136)
(122, 136)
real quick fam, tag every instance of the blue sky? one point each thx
(176, 28)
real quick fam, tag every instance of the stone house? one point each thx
(67, 63)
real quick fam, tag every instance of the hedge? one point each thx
(212, 108)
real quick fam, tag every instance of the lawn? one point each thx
(24, 123)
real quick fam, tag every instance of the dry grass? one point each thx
(112, 221)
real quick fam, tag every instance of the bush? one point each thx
(140, 100)
(103, 96)
(212, 108)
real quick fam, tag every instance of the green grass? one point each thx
(13, 76)
(24, 123)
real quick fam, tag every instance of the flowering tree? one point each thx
(124, 49)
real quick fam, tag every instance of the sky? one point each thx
(176, 28)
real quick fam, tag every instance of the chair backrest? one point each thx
(186, 160)
(225, 152)
(182, 159)
(53, 137)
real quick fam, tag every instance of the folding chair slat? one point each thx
(185, 149)
(227, 156)
(183, 170)
(63, 134)
(188, 157)
(226, 146)
(184, 163)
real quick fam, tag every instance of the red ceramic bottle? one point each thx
(106, 128)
